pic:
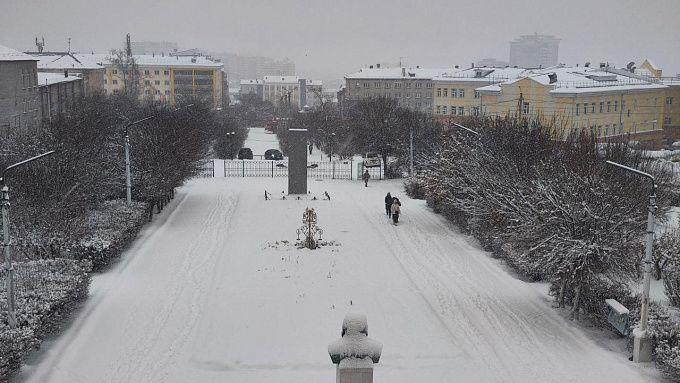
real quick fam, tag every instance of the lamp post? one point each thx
(230, 138)
(642, 345)
(410, 149)
(4, 201)
(330, 146)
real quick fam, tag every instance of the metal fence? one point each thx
(376, 172)
(207, 169)
(337, 170)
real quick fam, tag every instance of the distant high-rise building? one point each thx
(153, 47)
(239, 67)
(534, 51)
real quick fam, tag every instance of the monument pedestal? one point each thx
(353, 370)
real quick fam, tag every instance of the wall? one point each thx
(19, 96)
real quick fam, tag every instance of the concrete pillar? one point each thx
(297, 161)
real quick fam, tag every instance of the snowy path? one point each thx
(207, 295)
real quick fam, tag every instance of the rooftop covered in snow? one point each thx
(9, 54)
(55, 78)
(392, 73)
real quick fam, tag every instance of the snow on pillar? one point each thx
(354, 353)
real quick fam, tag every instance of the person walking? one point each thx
(365, 177)
(388, 205)
(396, 210)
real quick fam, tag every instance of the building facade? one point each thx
(88, 66)
(412, 88)
(255, 87)
(292, 91)
(59, 92)
(169, 78)
(19, 93)
(534, 51)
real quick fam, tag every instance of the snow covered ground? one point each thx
(214, 291)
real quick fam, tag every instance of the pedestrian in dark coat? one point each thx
(388, 205)
(365, 177)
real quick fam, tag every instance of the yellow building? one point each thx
(611, 102)
(671, 110)
(169, 78)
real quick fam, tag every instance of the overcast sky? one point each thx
(327, 39)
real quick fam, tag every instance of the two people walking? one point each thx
(392, 208)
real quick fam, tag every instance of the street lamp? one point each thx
(642, 345)
(11, 309)
(230, 138)
(330, 146)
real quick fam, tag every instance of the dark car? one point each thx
(245, 154)
(273, 154)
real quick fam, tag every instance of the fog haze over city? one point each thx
(327, 39)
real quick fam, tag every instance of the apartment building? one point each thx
(89, 66)
(671, 108)
(19, 93)
(534, 51)
(456, 95)
(291, 90)
(169, 78)
(412, 88)
(611, 102)
(59, 92)
(255, 87)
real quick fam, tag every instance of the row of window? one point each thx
(146, 72)
(592, 107)
(456, 110)
(607, 130)
(146, 82)
(399, 95)
(397, 85)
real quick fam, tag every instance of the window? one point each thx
(429, 85)
(146, 72)
(445, 92)
(623, 105)
(106, 81)
(454, 93)
(418, 105)
(115, 82)
(616, 106)
(601, 106)
(146, 92)
(628, 112)
(577, 108)
(166, 72)
(158, 92)
(525, 107)
(408, 95)
(667, 120)
(461, 93)
(156, 72)
(419, 85)
(418, 94)
(167, 82)
(592, 109)
(397, 85)
(167, 92)
(669, 100)
(609, 106)
(147, 82)
(376, 84)
(439, 92)
(439, 109)
(444, 109)
(461, 110)
(475, 111)
(157, 82)
(408, 84)
(366, 85)
(428, 95)
(387, 85)
(115, 71)
(585, 108)
(477, 94)
(397, 95)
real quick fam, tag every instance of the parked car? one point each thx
(371, 160)
(245, 154)
(273, 154)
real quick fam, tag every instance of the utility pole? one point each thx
(410, 152)
(6, 242)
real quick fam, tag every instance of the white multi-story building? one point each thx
(534, 51)
(291, 90)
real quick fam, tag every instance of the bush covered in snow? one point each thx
(46, 291)
(664, 328)
(110, 229)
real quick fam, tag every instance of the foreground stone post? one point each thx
(355, 353)
(297, 161)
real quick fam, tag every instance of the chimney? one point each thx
(370, 67)
(377, 65)
(603, 65)
(403, 72)
(552, 77)
(472, 65)
(417, 66)
(66, 73)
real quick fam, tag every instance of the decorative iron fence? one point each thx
(207, 169)
(376, 172)
(337, 170)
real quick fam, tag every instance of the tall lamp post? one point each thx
(642, 345)
(11, 306)
(230, 138)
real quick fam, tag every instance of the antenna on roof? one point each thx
(69, 45)
(40, 44)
